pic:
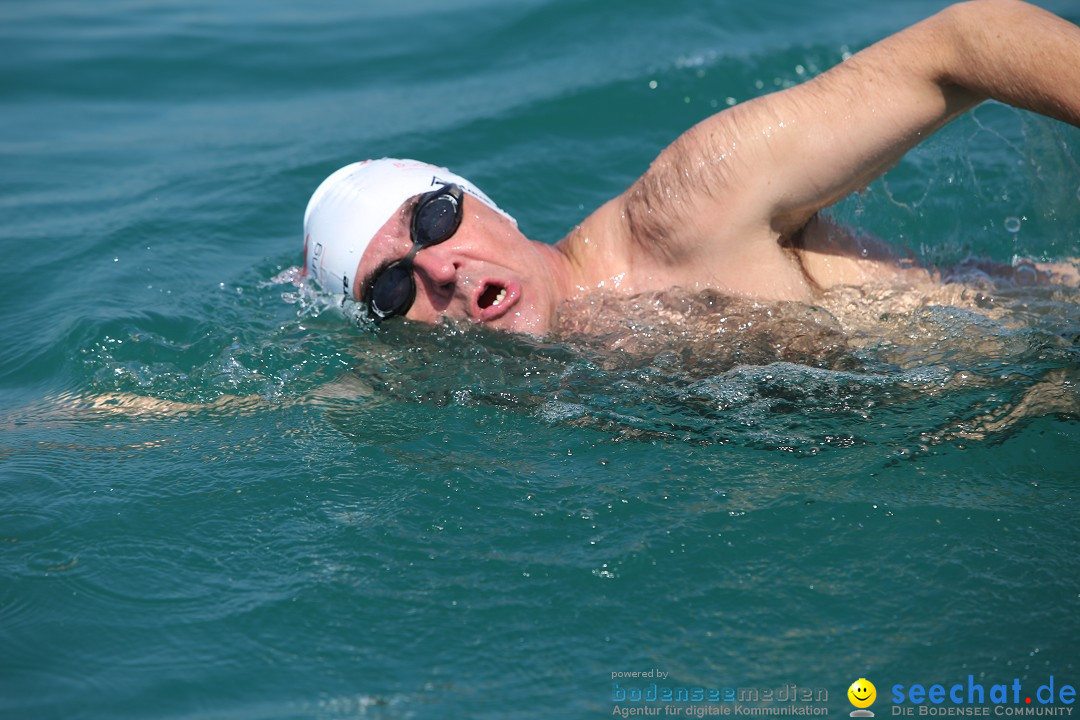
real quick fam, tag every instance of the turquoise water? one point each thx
(220, 498)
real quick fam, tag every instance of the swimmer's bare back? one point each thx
(832, 256)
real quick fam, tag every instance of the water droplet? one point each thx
(1012, 224)
(652, 84)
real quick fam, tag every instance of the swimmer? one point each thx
(731, 206)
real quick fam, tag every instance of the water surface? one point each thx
(222, 498)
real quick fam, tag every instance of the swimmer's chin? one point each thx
(522, 327)
(522, 320)
(516, 322)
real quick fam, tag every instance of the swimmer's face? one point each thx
(487, 273)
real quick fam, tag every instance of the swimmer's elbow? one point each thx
(1011, 51)
(970, 12)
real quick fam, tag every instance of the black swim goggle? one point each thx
(435, 219)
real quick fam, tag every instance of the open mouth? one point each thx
(495, 298)
(493, 295)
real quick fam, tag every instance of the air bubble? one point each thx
(1012, 224)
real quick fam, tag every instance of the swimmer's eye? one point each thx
(391, 289)
(371, 277)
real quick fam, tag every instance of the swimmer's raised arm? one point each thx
(855, 121)
(760, 170)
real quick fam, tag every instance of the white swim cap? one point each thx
(350, 206)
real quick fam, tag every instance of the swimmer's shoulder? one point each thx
(639, 242)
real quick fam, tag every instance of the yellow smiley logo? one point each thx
(862, 693)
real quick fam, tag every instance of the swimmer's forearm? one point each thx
(1017, 53)
(762, 169)
(851, 124)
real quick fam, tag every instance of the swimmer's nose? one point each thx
(437, 272)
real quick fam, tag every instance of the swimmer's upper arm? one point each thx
(841, 130)
(760, 170)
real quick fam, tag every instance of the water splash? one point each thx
(856, 370)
